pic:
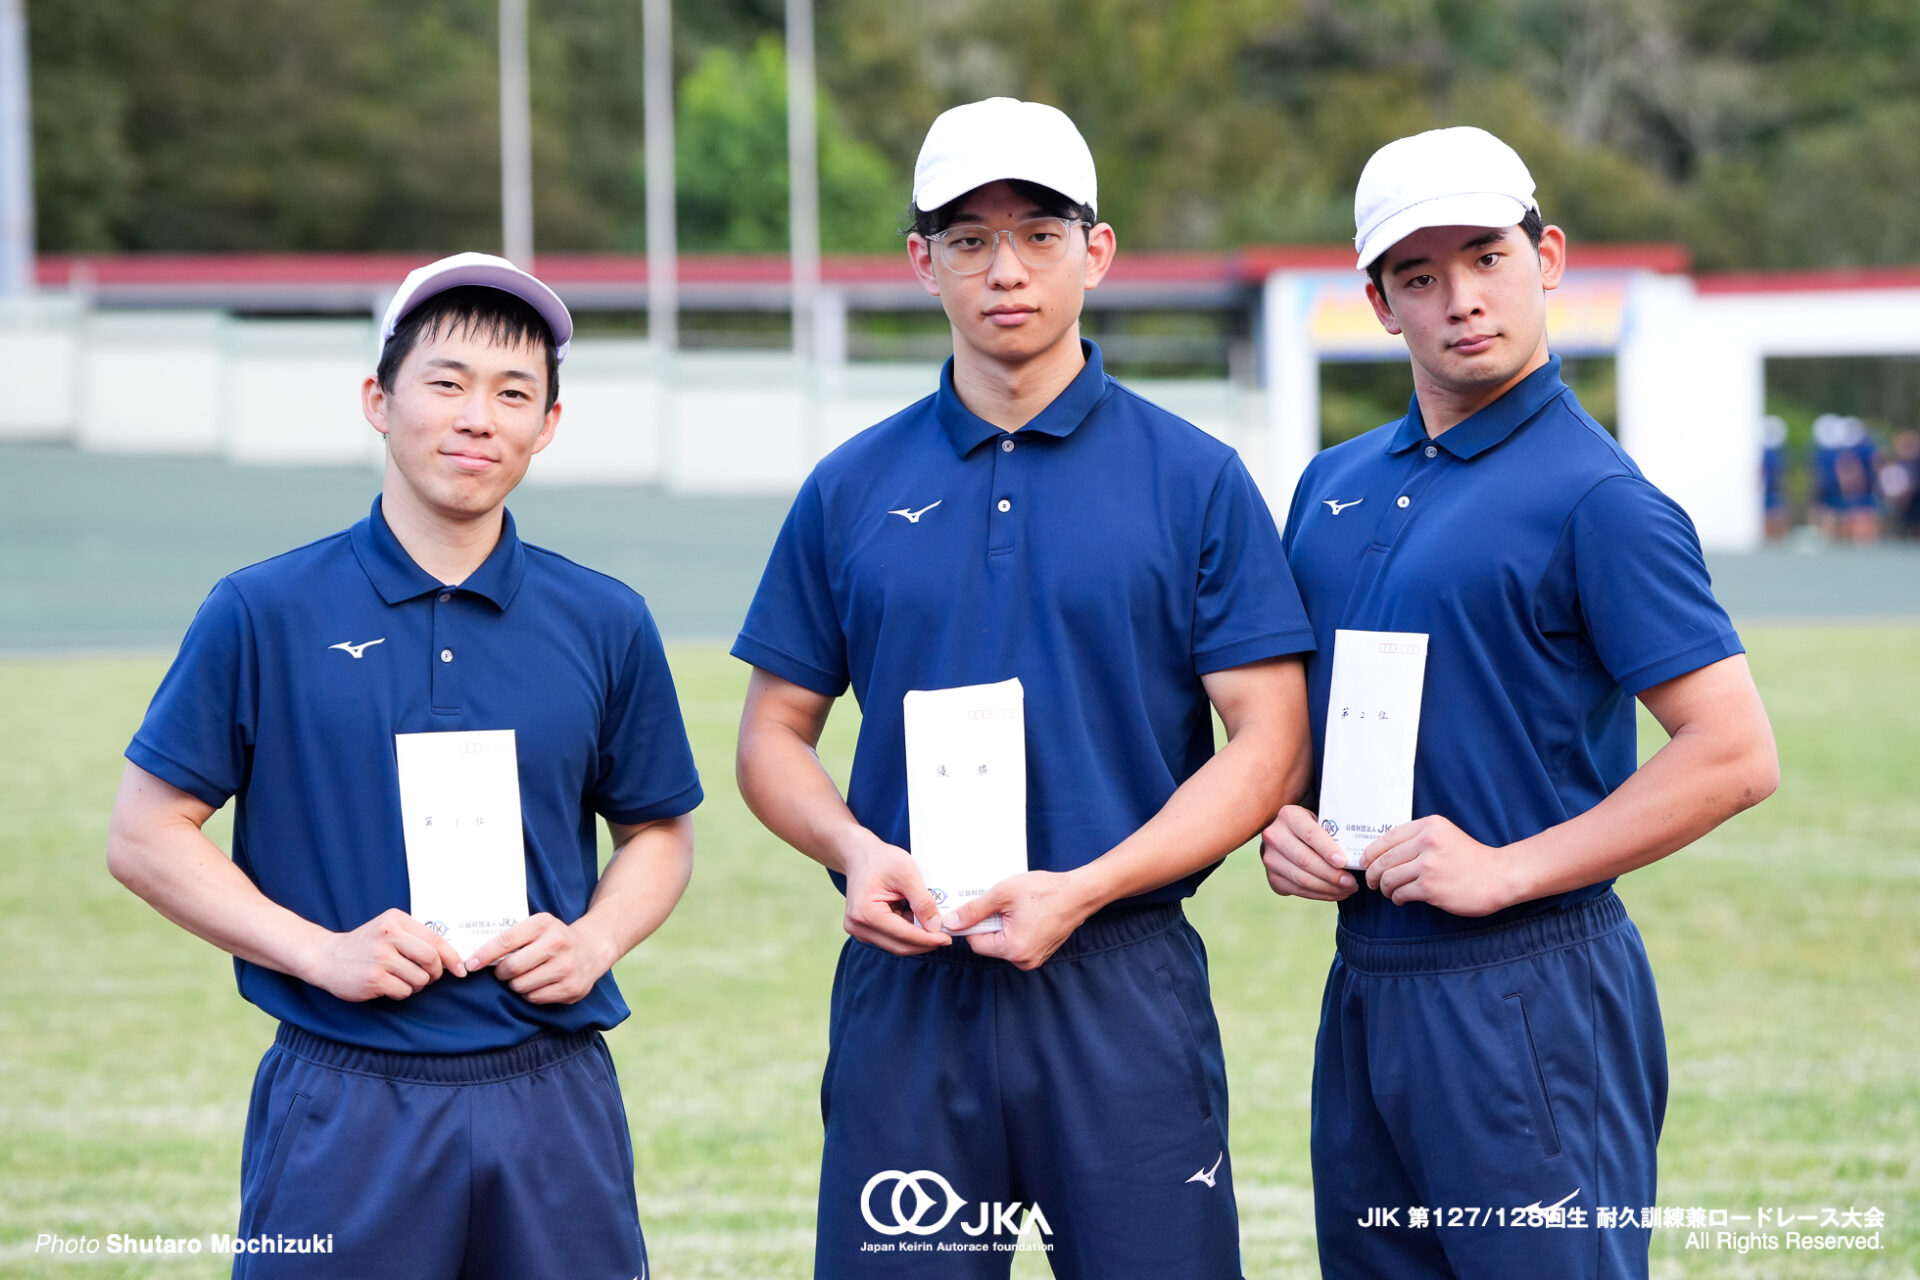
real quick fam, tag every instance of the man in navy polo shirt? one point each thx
(1490, 1041)
(424, 1112)
(1031, 519)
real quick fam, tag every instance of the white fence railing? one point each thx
(287, 392)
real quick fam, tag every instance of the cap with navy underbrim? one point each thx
(1460, 177)
(488, 271)
(1003, 140)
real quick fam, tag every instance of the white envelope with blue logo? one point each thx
(1373, 727)
(967, 789)
(466, 855)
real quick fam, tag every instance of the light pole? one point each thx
(16, 155)
(663, 270)
(803, 175)
(516, 138)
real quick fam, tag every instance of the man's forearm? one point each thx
(1719, 759)
(785, 785)
(1267, 762)
(789, 790)
(1686, 789)
(1222, 806)
(642, 884)
(161, 854)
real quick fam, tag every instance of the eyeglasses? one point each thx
(967, 250)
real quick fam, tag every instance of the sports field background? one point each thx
(1787, 945)
(116, 552)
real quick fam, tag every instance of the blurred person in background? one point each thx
(1900, 484)
(1848, 502)
(1773, 477)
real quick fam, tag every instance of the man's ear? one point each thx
(920, 253)
(373, 403)
(1381, 310)
(547, 428)
(1101, 245)
(1553, 256)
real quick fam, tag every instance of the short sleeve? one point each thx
(199, 730)
(792, 628)
(646, 765)
(1246, 607)
(1644, 593)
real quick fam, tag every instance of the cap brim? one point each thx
(1475, 209)
(950, 186)
(507, 279)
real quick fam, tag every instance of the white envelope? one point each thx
(1373, 726)
(466, 856)
(967, 789)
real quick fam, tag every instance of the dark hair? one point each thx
(931, 222)
(1533, 224)
(474, 311)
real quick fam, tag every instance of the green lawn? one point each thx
(1787, 947)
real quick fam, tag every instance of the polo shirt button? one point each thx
(1432, 451)
(1005, 505)
(1403, 500)
(1006, 446)
(445, 596)
(446, 655)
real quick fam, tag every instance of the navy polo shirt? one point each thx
(1108, 554)
(265, 704)
(1554, 583)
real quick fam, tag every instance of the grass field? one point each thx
(1787, 946)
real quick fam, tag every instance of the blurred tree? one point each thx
(1840, 194)
(1762, 132)
(273, 124)
(730, 162)
(84, 173)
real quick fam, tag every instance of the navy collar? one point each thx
(967, 431)
(396, 577)
(1488, 426)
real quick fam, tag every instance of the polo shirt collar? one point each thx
(396, 577)
(1487, 427)
(966, 430)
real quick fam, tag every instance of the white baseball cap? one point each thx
(1462, 177)
(1002, 139)
(479, 269)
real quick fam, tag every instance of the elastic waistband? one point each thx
(486, 1066)
(1103, 931)
(1477, 948)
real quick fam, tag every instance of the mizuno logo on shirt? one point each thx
(913, 517)
(1337, 507)
(1206, 1175)
(357, 649)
